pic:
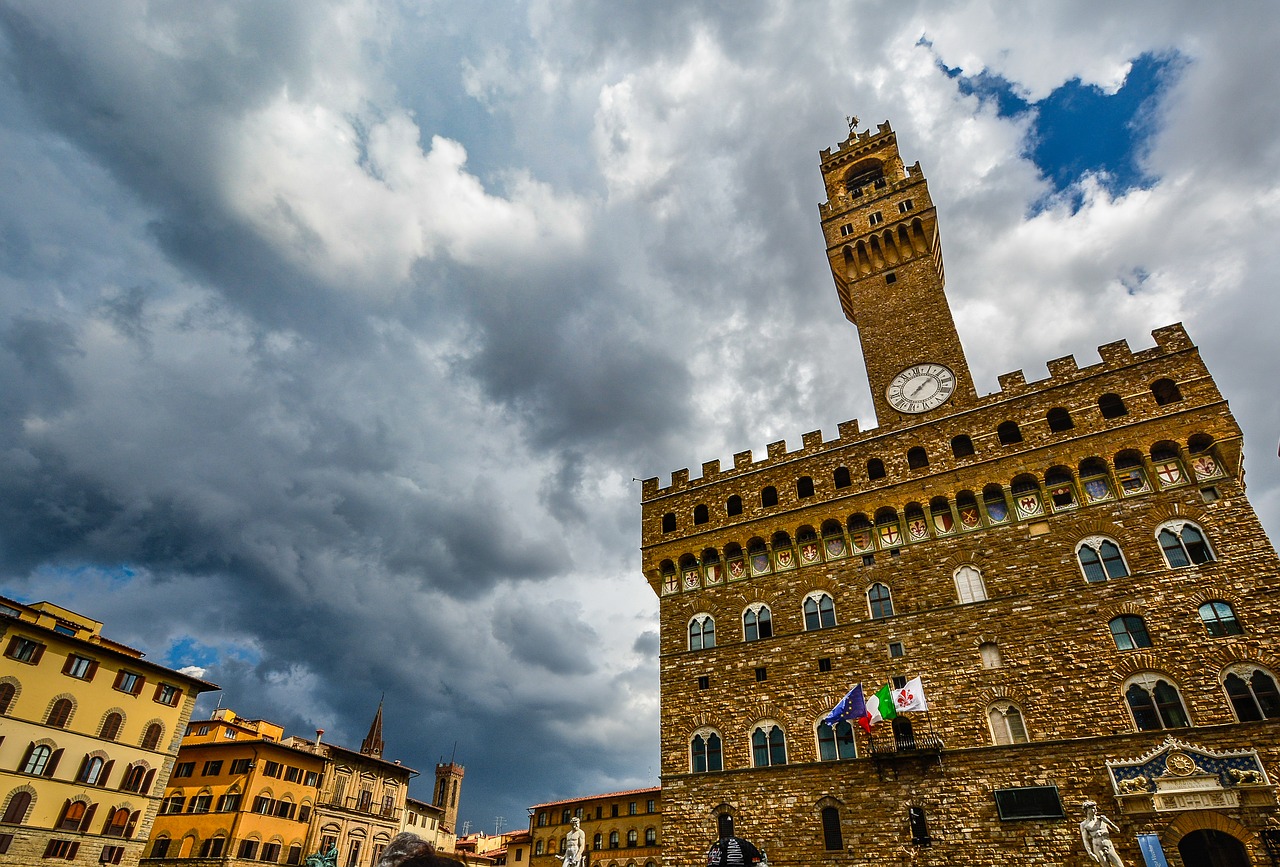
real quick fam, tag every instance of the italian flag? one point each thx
(879, 707)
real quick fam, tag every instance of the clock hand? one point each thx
(917, 391)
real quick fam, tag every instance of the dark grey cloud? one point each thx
(333, 412)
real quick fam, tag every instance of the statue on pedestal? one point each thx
(1095, 831)
(575, 846)
(324, 858)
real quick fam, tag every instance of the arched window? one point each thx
(539, 847)
(1220, 619)
(134, 779)
(1009, 433)
(993, 500)
(1183, 544)
(832, 839)
(757, 622)
(917, 457)
(769, 496)
(72, 816)
(701, 514)
(1007, 725)
(969, 586)
(60, 713)
(862, 174)
(1166, 391)
(669, 522)
(702, 632)
(151, 738)
(1130, 471)
(1155, 703)
(804, 487)
(768, 745)
(1199, 443)
(1059, 420)
(1129, 632)
(37, 760)
(733, 506)
(7, 694)
(875, 469)
(836, 742)
(633, 838)
(1061, 488)
(819, 611)
(706, 753)
(16, 812)
(880, 601)
(597, 842)
(613, 839)
(1095, 480)
(1100, 559)
(160, 848)
(1112, 406)
(841, 477)
(989, 652)
(651, 837)
(111, 727)
(1252, 692)
(961, 446)
(92, 771)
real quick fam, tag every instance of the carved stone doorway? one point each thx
(1212, 848)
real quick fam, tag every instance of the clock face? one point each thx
(921, 387)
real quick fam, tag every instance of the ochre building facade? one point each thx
(1070, 565)
(88, 733)
(623, 829)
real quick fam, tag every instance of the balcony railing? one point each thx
(915, 744)
(357, 804)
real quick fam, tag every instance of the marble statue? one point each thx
(575, 846)
(1095, 831)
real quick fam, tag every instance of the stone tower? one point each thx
(1071, 566)
(885, 252)
(447, 791)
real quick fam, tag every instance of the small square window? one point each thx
(846, 229)
(1210, 494)
(895, 553)
(761, 674)
(880, 184)
(891, 277)
(905, 205)
(824, 664)
(876, 219)
(868, 559)
(896, 649)
(704, 682)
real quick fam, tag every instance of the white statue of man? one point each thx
(1095, 831)
(575, 846)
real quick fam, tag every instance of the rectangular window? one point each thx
(896, 649)
(80, 667)
(240, 766)
(868, 559)
(295, 854)
(704, 682)
(263, 806)
(519, 854)
(167, 694)
(271, 769)
(204, 730)
(24, 650)
(212, 769)
(64, 849)
(905, 205)
(304, 812)
(613, 810)
(651, 806)
(229, 802)
(184, 769)
(876, 218)
(5, 840)
(631, 809)
(846, 229)
(111, 855)
(229, 734)
(291, 774)
(892, 278)
(312, 778)
(271, 852)
(899, 681)
(200, 804)
(128, 681)
(761, 674)
(824, 664)
(353, 855)
(1029, 802)
(248, 849)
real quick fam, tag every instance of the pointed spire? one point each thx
(372, 745)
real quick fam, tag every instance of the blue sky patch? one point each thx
(187, 650)
(1080, 130)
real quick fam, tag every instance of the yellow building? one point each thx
(237, 795)
(89, 733)
(426, 820)
(624, 829)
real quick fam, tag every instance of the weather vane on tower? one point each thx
(853, 123)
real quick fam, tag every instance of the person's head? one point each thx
(1089, 806)
(575, 822)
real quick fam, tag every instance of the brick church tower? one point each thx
(1070, 566)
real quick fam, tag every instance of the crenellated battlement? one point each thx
(1064, 372)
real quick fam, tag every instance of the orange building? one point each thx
(238, 795)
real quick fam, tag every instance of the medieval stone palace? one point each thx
(1069, 565)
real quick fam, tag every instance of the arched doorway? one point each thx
(1208, 847)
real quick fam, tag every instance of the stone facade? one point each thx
(623, 829)
(1071, 565)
